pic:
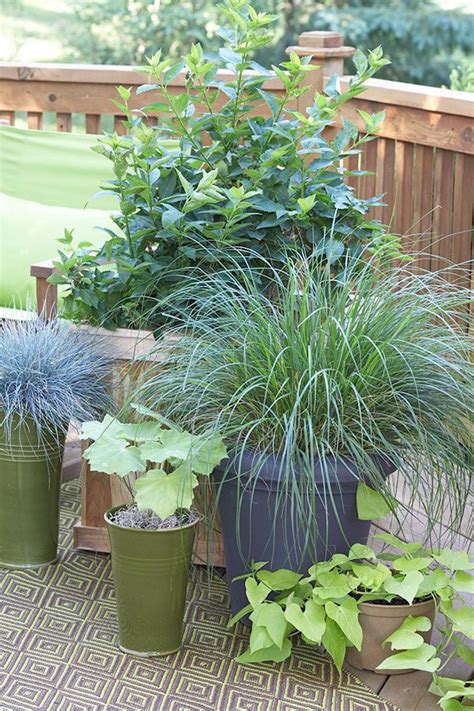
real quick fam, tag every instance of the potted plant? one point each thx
(359, 608)
(320, 389)
(152, 537)
(50, 376)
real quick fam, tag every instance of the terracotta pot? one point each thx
(378, 622)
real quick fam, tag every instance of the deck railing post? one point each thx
(327, 50)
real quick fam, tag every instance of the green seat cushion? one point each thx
(53, 168)
(28, 234)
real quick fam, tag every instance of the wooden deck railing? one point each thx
(423, 160)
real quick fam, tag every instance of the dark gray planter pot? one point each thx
(251, 532)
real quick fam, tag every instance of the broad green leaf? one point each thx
(422, 658)
(454, 560)
(463, 651)
(358, 551)
(406, 636)
(461, 617)
(270, 654)
(334, 642)
(407, 565)
(173, 445)
(433, 582)
(143, 431)
(452, 705)
(441, 685)
(256, 592)
(332, 585)
(114, 456)
(463, 582)
(109, 425)
(207, 453)
(371, 576)
(270, 616)
(406, 588)
(326, 565)
(279, 579)
(311, 622)
(371, 504)
(165, 493)
(259, 638)
(346, 616)
(396, 542)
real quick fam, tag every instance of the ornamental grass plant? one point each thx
(51, 374)
(375, 365)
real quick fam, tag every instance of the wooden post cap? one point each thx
(321, 39)
(322, 45)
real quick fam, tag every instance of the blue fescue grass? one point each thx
(51, 374)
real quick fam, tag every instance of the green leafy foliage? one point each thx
(169, 460)
(263, 183)
(323, 608)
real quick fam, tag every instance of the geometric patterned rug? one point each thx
(58, 649)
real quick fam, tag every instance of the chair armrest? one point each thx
(46, 294)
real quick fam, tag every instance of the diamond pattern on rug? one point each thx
(58, 649)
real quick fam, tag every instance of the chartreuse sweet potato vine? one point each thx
(322, 608)
(158, 462)
(266, 178)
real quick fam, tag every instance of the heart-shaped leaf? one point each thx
(270, 616)
(346, 615)
(270, 654)
(311, 622)
(406, 587)
(422, 658)
(256, 592)
(279, 579)
(406, 636)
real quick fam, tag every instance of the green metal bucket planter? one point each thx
(30, 478)
(150, 571)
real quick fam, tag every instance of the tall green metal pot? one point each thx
(150, 572)
(30, 479)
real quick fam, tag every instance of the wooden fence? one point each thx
(423, 160)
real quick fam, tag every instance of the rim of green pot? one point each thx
(145, 530)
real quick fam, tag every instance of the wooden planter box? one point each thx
(99, 492)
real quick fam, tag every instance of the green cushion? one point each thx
(47, 178)
(53, 168)
(28, 234)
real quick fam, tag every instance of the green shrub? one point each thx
(266, 185)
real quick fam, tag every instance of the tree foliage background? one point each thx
(424, 41)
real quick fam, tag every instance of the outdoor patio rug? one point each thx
(58, 649)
